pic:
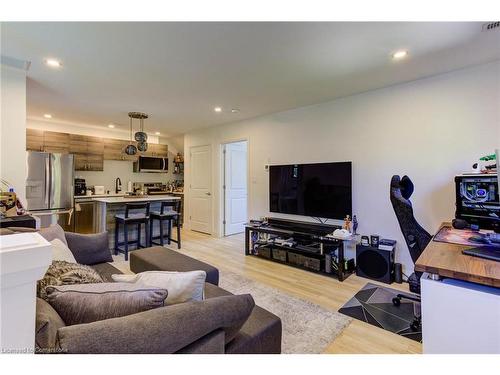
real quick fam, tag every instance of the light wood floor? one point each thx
(359, 337)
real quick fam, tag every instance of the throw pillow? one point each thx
(181, 286)
(53, 232)
(47, 323)
(90, 249)
(64, 273)
(86, 303)
(61, 252)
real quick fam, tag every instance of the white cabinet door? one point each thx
(200, 189)
(235, 168)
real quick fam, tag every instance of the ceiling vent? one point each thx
(490, 26)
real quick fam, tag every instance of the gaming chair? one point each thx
(415, 236)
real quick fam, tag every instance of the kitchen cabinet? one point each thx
(47, 141)
(156, 150)
(114, 149)
(88, 151)
(34, 140)
(89, 162)
(85, 216)
(56, 142)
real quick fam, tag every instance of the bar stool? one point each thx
(132, 219)
(169, 212)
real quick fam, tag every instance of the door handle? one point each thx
(47, 181)
(208, 193)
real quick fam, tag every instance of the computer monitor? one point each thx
(478, 201)
(497, 152)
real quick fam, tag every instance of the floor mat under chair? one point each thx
(373, 305)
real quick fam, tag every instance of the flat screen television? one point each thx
(318, 190)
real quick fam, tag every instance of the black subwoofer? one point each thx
(373, 263)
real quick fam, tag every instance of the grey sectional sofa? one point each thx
(222, 323)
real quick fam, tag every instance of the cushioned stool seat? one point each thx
(162, 259)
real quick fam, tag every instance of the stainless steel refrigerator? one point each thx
(49, 188)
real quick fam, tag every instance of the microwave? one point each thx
(151, 164)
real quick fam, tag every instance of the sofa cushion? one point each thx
(47, 323)
(261, 333)
(181, 286)
(164, 330)
(161, 259)
(52, 232)
(89, 249)
(85, 303)
(60, 251)
(213, 343)
(106, 271)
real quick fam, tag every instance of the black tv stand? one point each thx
(299, 244)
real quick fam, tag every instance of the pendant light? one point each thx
(131, 149)
(140, 137)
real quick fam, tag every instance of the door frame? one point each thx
(222, 176)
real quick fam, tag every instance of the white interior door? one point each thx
(200, 189)
(235, 187)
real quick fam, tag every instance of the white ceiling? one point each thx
(178, 72)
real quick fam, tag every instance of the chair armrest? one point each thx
(162, 330)
(89, 248)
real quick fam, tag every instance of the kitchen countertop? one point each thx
(123, 199)
(99, 196)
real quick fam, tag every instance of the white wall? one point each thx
(430, 129)
(13, 128)
(114, 168)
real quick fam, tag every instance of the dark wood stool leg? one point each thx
(116, 235)
(125, 239)
(162, 242)
(138, 235)
(147, 233)
(150, 243)
(169, 231)
(178, 234)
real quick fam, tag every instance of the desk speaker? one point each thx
(373, 263)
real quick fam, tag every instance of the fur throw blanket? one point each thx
(65, 273)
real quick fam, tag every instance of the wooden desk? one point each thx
(447, 260)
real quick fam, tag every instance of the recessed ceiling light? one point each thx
(47, 115)
(218, 109)
(157, 133)
(112, 126)
(398, 55)
(235, 110)
(53, 63)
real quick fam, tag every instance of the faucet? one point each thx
(118, 185)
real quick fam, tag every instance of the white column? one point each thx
(24, 259)
(13, 125)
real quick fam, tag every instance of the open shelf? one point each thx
(310, 251)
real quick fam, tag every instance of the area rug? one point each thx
(307, 327)
(373, 305)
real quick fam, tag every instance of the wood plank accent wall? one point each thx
(89, 151)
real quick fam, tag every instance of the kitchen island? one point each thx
(108, 207)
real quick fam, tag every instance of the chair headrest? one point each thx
(405, 185)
